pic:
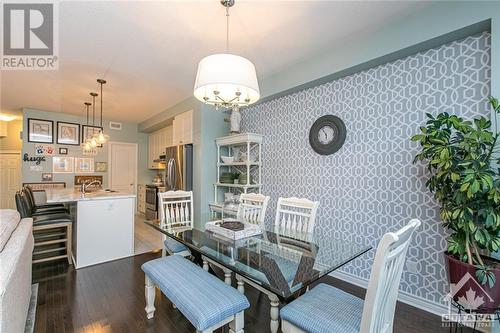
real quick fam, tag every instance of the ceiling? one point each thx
(149, 51)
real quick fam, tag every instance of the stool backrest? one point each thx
(252, 208)
(382, 292)
(176, 208)
(21, 205)
(28, 191)
(294, 215)
(30, 203)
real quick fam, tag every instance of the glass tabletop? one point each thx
(279, 261)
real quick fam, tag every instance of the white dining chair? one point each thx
(252, 208)
(295, 216)
(327, 309)
(176, 210)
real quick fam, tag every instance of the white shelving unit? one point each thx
(249, 143)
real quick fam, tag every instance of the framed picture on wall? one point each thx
(63, 151)
(62, 164)
(46, 177)
(84, 165)
(40, 130)
(101, 166)
(68, 133)
(88, 131)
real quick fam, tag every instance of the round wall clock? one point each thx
(327, 134)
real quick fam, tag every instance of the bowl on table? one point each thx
(227, 159)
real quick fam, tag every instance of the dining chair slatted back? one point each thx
(296, 216)
(382, 292)
(252, 208)
(176, 208)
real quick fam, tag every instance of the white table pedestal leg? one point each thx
(275, 311)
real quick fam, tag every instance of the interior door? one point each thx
(122, 159)
(10, 178)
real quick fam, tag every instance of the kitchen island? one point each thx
(103, 224)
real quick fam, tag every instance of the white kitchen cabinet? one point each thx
(158, 141)
(183, 128)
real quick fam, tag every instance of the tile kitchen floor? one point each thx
(145, 238)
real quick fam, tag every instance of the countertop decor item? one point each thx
(40, 130)
(227, 80)
(217, 228)
(68, 133)
(233, 225)
(327, 134)
(465, 180)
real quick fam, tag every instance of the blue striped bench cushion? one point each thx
(325, 309)
(174, 246)
(201, 297)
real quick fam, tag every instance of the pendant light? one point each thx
(93, 141)
(101, 137)
(226, 80)
(86, 147)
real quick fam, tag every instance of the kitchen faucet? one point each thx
(86, 185)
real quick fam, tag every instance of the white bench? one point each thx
(207, 302)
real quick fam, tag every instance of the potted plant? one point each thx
(465, 180)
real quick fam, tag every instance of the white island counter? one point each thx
(103, 224)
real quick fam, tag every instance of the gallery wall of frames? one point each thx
(51, 150)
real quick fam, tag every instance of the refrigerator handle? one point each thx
(169, 174)
(172, 170)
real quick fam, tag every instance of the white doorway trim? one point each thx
(135, 145)
(12, 153)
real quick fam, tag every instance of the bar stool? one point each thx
(52, 231)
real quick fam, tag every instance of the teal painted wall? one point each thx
(129, 133)
(434, 21)
(208, 125)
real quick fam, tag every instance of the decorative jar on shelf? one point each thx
(230, 210)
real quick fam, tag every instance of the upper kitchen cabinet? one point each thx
(183, 128)
(158, 141)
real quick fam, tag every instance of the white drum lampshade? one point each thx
(226, 80)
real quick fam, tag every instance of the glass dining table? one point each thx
(279, 263)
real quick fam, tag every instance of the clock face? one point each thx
(327, 134)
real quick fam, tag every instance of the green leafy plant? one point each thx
(465, 180)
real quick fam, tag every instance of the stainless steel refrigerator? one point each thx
(179, 168)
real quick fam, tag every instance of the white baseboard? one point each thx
(416, 301)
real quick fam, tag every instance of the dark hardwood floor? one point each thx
(110, 298)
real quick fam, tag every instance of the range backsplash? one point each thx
(370, 186)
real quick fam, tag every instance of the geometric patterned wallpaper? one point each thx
(370, 187)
